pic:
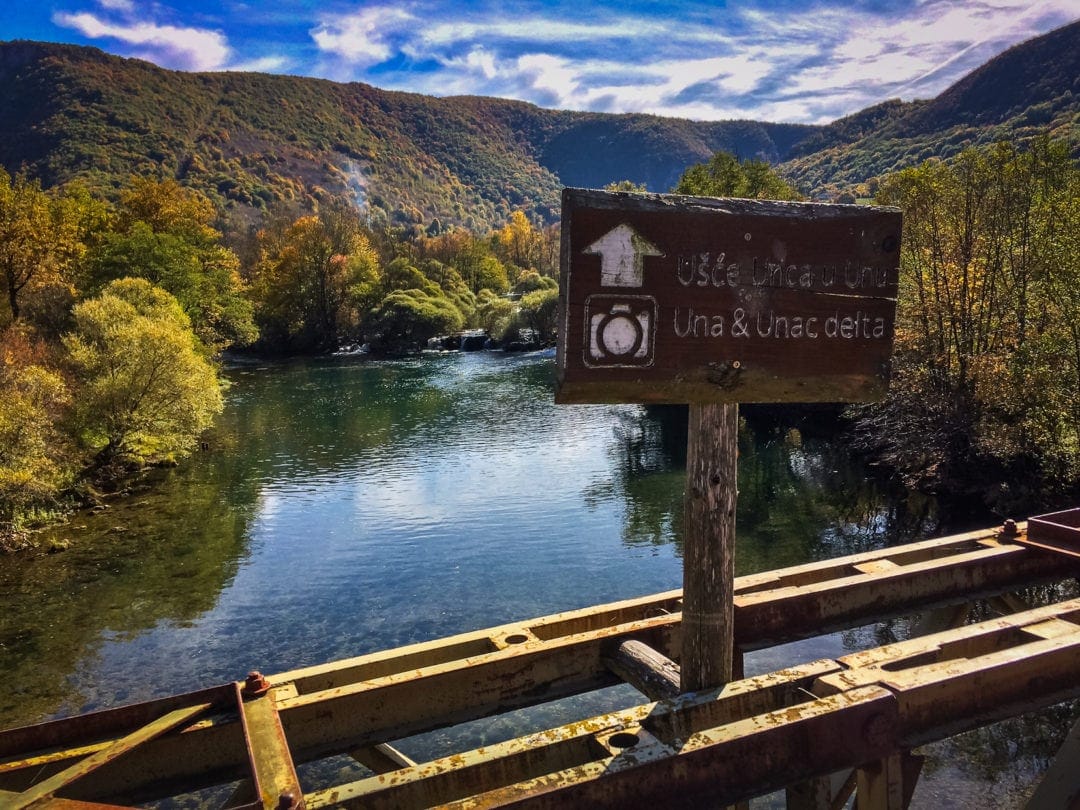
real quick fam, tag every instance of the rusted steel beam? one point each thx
(63, 804)
(151, 763)
(717, 766)
(155, 728)
(95, 728)
(696, 733)
(372, 699)
(708, 749)
(274, 775)
(811, 600)
(398, 705)
(889, 783)
(961, 679)
(381, 758)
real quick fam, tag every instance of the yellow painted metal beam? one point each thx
(374, 699)
(46, 788)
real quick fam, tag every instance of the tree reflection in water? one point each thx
(803, 495)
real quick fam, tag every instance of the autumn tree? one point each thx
(36, 460)
(518, 242)
(315, 278)
(38, 233)
(145, 390)
(471, 257)
(163, 233)
(986, 370)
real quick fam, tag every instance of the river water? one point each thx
(345, 506)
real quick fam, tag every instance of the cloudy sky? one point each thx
(803, 61)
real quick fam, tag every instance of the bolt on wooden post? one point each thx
(713, 302)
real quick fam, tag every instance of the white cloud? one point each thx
(729, 61)
(183, 48)
(263, 64)
(363, 38)
(541, 29)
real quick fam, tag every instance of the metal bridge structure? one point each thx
(829, 733)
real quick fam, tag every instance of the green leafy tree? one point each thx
(400, 274)
(539, 311)
(628, 186)
(405, 320)
(491, 275)
(494, 314)
(163, 234)
(453, 286)
(533, 281)
(145, 391)
(724, 175)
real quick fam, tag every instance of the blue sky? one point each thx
(806, 62)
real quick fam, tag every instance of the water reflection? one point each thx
(802, 494)
(163, 555)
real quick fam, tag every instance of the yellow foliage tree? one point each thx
(146, 392)
(35, 461)
(987, 362)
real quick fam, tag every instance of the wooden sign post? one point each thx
(712, 302)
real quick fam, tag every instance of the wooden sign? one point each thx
(683, 299)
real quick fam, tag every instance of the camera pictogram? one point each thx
(620, 330)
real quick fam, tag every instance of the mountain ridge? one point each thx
(1030, 89)
(252, 141)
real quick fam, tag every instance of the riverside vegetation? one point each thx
(115, 312)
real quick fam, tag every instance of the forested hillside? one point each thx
(250, 140)
(1031, 89)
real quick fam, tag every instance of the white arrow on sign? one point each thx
(621, 252)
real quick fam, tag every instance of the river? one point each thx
(344, 506)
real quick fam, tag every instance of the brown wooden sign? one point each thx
(687, 299)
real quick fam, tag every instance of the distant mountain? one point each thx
(1030, 89)
(253, 140)
(250, 140)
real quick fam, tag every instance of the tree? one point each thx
(451, 284)
(539, 311)
(405, 320)
(532, 281)
(627, 186)
(314, 279)
(35, 457)
(145, 391)
(167, 207)
(163, 234)
(494, 314)
(986, 370)
(724, 175)
(518, 242)
(36, 239)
